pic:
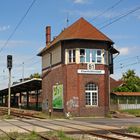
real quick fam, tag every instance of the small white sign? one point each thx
(91, 66)
(84, 71)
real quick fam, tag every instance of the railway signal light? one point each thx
(9, 66)
(9, 61)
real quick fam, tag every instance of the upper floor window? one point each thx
(71, 57)
(82, 55)
(90, 55)
(99, 56)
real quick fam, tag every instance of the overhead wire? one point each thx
(130, 64)
(108, 9)
(17, 26)
(123, 65)
(120, 17)
(127, 58)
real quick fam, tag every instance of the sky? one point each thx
(29, 38)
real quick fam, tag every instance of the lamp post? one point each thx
(9, 66)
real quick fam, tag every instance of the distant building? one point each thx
(115, 83)
(26, 94)
(75, 70)
(125, 100)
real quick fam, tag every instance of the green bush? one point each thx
(133, 129)
(135, 112)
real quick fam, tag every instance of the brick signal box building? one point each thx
(75, 70)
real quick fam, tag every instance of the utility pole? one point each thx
(22, 71)
(9, 66)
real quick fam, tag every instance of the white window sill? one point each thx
(90, 106)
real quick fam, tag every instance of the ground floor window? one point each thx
(91, 94)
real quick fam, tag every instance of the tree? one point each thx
(131, 82)
(35, 75)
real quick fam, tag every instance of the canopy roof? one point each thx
(127, 93)
(29, 85)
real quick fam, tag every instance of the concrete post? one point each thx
(9, 93)
(36, 99)
(27, 99)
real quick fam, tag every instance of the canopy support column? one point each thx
(27, 99)
(36, 99)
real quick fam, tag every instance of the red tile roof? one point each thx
(114, 83)
(81, 29)
(127, 93)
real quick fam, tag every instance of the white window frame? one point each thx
(72, 58)
(91, 96)
(105, 57)
(96, 56)
(82, 55)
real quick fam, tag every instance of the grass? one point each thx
(19, 136)
(133, 129)
(33, 136)
(42, 115)
(60, 135)
(7, 117)
(108, 115)
(135, 112)
(45, 115)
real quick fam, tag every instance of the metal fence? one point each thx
(128, 106)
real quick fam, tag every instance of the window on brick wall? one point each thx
(91, 94)
(99, 56)
(91, 55)
(71, 55)
(82, 55)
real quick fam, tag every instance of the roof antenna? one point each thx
(67, 20)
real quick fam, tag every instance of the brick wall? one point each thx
(74, 89)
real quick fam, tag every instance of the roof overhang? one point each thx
(51, 46)
(113, 50)
(126, 93)
(29, 85)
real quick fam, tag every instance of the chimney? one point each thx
(48, 35)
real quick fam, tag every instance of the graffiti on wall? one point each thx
(45, 104)
(73, 103)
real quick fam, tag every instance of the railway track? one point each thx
(113, 135)
(17, 114)
(38, 134)
(7, 134)
(107, 134)
(110, 131)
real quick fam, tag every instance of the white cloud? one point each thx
(123, 37)
(137, 14)
(81, 1)
(14, 43)
(4, 28)
(32, 64)
(21, 44)
(124, 51)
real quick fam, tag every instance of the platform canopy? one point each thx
(25, 86)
